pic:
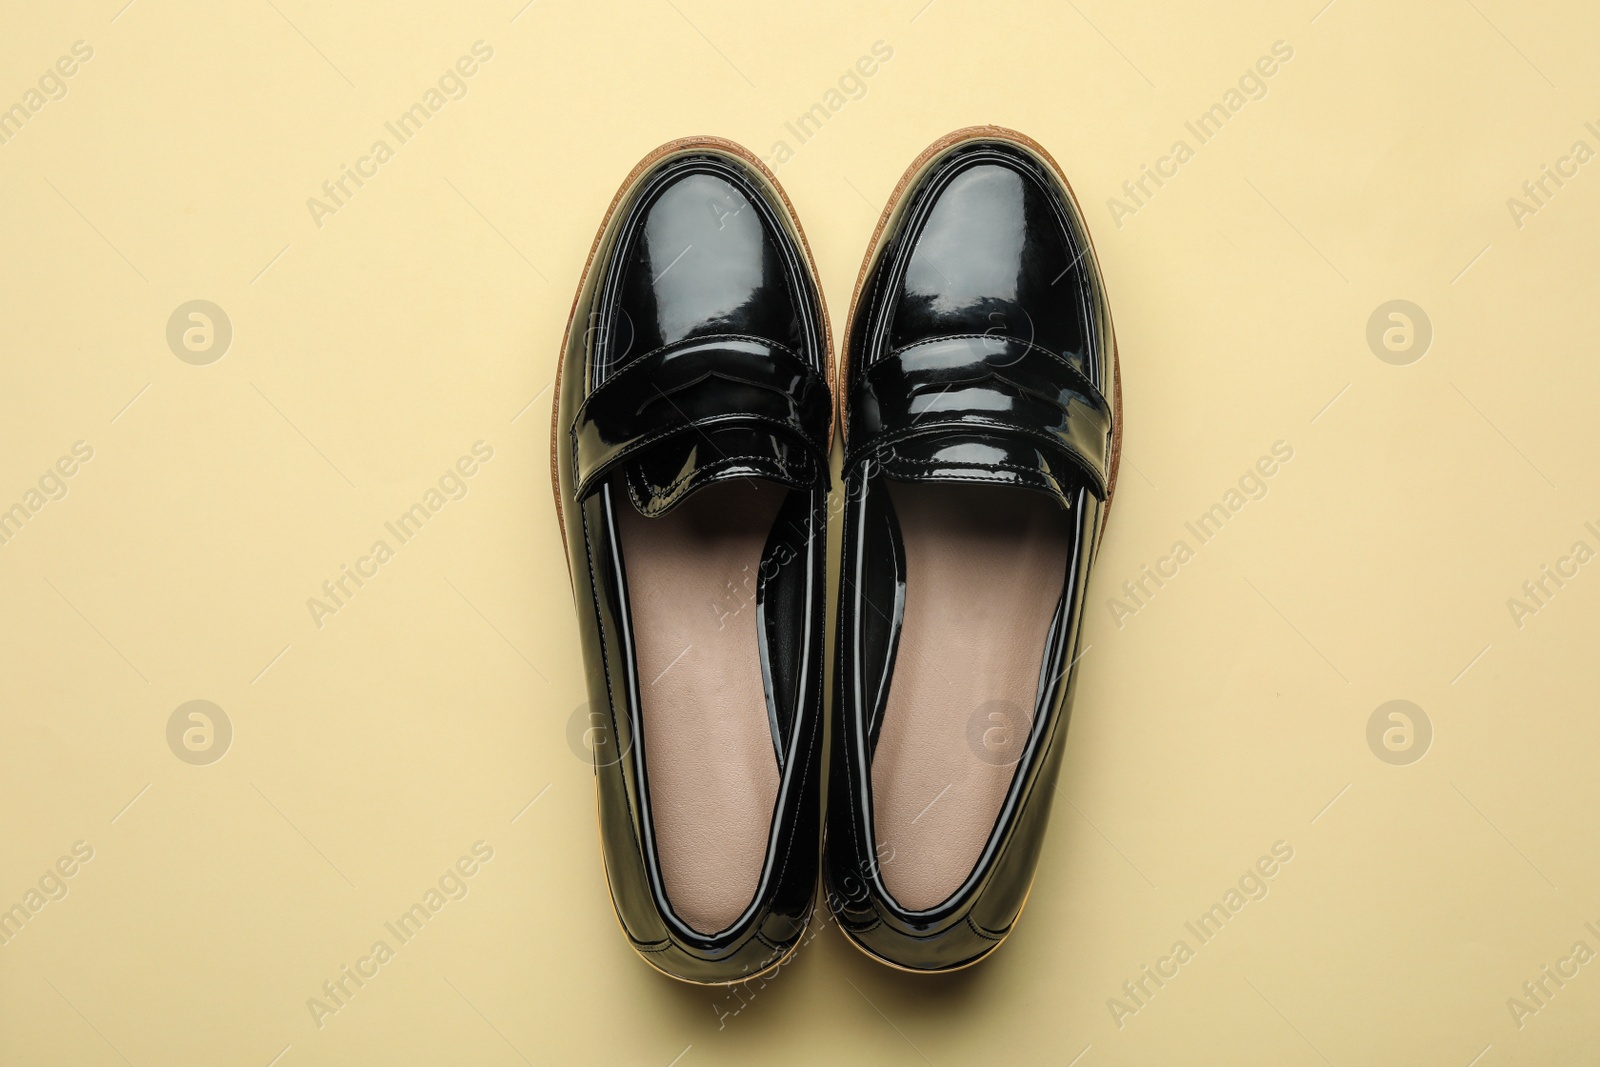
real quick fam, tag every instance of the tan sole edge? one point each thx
(705, 142)
(975, 133)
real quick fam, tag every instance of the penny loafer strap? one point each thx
(981, 388)
(723, 388)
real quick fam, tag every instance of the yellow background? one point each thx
(424, 716)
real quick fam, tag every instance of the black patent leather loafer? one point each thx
(692, 429)
(981, 425)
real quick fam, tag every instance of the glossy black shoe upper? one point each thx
(694, 415)
(980, 379)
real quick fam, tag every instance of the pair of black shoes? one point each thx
(691, 452)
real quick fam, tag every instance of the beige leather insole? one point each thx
(710, 766)
(985, 568)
